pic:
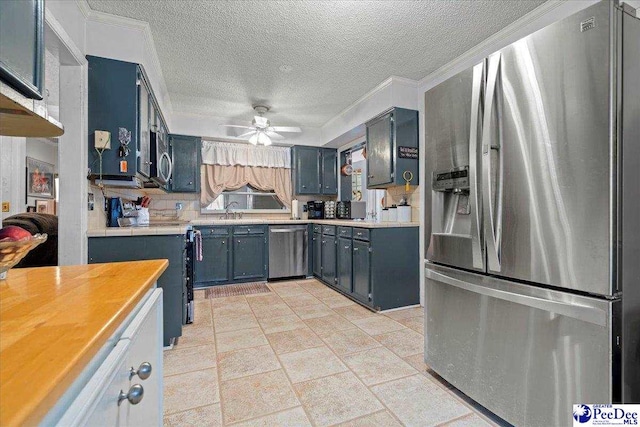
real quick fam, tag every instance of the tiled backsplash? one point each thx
(163, 204)
(395, 194)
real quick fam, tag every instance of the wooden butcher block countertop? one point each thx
(53, 321)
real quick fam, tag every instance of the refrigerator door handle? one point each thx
(491, 225)
(475, 200)
(581, 312)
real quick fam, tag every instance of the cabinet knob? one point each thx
(304, 186)
(370, 176)
(144, 371)
(355, 249)
(346, 247)
(190, 183)
(134, 396)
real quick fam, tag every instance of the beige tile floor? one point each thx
(304, 355)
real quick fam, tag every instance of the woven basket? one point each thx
(11, 252)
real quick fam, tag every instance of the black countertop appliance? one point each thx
(315, 209)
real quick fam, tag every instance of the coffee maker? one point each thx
(315, 209)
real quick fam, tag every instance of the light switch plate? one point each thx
(6, 206)
(103, 140)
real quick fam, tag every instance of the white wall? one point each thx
(128, 40)
(13, 151)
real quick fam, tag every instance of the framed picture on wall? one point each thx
(40, 177)
(46, 206)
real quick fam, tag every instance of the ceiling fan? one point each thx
(261, 131)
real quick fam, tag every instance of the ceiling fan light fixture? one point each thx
(264, 139)
(261, 122)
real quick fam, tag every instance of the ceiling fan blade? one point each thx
(244, 135)
(271, 134)
(238, 126)
(286, 129)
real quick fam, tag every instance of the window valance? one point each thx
(232, 154)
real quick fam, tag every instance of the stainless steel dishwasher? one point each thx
(287, 251)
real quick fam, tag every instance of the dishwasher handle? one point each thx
(287, 230)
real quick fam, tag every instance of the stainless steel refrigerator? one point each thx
(533, 260)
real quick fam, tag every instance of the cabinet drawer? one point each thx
(97, 402)
(145, 337)
(329, 230)
(248, 229)
(215, 231)
(317, 228)
(361, 234)
(344, 232)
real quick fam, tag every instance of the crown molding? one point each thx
(142, 26)
(64, 37)
(84, 7)
(502, 37)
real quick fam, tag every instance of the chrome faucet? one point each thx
(227, 210)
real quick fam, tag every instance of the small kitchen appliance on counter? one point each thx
(330, 210)
(315, 209)
(351, 210)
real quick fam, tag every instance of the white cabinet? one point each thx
(145, 335)
(126, 388)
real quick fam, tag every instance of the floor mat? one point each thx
(236, 289)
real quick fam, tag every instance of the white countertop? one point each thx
(182, 229)
(139, 231)
(342, 222)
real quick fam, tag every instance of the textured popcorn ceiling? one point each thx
(219, 57)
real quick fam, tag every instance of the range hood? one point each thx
(22, 116)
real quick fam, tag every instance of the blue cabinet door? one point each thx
(344, 264)
(172, 281)
(317, 254)
(329, 270)
(306, 170)
(329, 171)
(361, 271)
(186, 163)
(249, 257)
(113, 104)
(214, 269)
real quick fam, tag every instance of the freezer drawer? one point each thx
(527, 354)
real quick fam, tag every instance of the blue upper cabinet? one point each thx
(113, 104)
(22, 46)
(186, 163)
(120, 97)
(329, 176)
(315, 170)
(392, 149)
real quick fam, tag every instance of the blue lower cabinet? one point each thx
(329, 265)
(215, 266)
(232, 255)
(378, 268)
(249, 257)
(361, 271)
(317, 254)
(172, 281)
(345, 269)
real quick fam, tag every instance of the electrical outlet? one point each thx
(178, 206)
(102, 140)
(6, 206)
